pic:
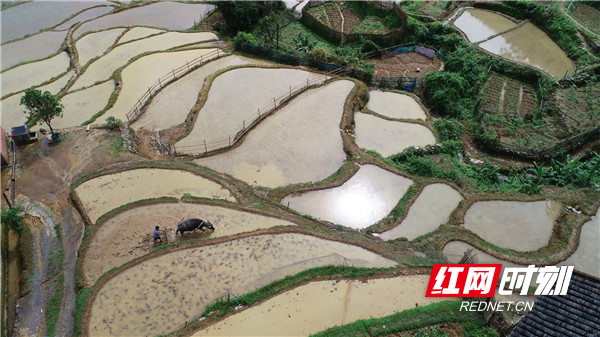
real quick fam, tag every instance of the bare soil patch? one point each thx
(406, 65)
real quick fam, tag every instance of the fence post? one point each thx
(173, 73)
(244, 124)
(258, 112)
(307, 82)
(230, 140)
(187, 64)
(205, 148)
(159, 83)
(274, 102)
(290, 91)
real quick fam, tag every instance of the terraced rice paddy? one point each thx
(479, 24)
(81, 106)
(431, 209)
(173, 295)
(168, 15)
(32, 74)
(138, 33)
(394, 105)
(522, 226)
(389, 137)
(86, 15)
(103, 68)
(360, 202)
(102, 194)
(38, 47)
(95, 44)
(254, 89)
(136, 80)
(172, 105)
(587, 256)
(283, 149)
(129, 234)
(320, 305)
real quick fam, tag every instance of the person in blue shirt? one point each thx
(156, 234)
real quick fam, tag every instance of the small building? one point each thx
(22, 136)
(575, 314)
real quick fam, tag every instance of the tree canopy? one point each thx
(41, 107)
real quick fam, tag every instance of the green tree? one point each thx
(41, 107)
(11, 219)
(444, 92)
(270, 26)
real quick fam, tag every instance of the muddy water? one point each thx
(27, 75)
(478, 24)
(103, 68)
(522, 226)
(58, 84)
(395, 105)
(137, 78)
(168, 15)
(161, 294)
(530, 45)
(320, 305)
(32, 48)
(31, 17)
(95, 44)
(389, 137)
(253, 89)
(105, 193)
(173, 104)
(12, 112)
(284, 148)
(89, 14)
(431, 209)
(361, 201)
(129, 234)
(138, 33)
(455, 250)
(80, 106)
(587, 256)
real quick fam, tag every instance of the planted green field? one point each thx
(579, 106)
(587, 15)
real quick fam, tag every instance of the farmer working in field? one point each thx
(156, 234)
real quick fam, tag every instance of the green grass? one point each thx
(371, 25)
(82, 296)
(53, 306)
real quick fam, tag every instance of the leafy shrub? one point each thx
(444, 92)
(368, 46)
(243, 37)
(11, 219)
(448, 128)
(113, 122)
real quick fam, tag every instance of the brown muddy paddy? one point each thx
(58, 84)
(431, 209)
(162, 294)
(479, 24)
(138, 33)
(102, 194)
(172, 105)
(320, 305)
(165, 14)
(389, 137)
(301, 142)
(530, 45)
(95, 44)
(80, 106)
(30, 74)
(103, 68)
(144, 73)
(395, 105)
(236, 96)
(361, 201)
(129, 234)
(32, 17)
(88, 14)
(522, 226)
(32, 48)
(587, 256)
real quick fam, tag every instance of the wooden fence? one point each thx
(206, 147)
(174, 74)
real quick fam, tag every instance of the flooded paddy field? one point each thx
(31, 74)
(136, 79)
(172, 105)
(320, 305)
(95, 44)
(129, 234)
(80, 106)
(138, 33)
(253, 89)
(32, 17)
(161, 294)
(166, 14)
(284, 148)
(395, 105)
(587, 256)
(102, 194)
(389, 137)
(479, 24)
(104, 67)
(361, 201)
(431, 209)
(522, 226)
(86, 15)
(32, 48)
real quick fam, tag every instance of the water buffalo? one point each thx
(190, 225)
